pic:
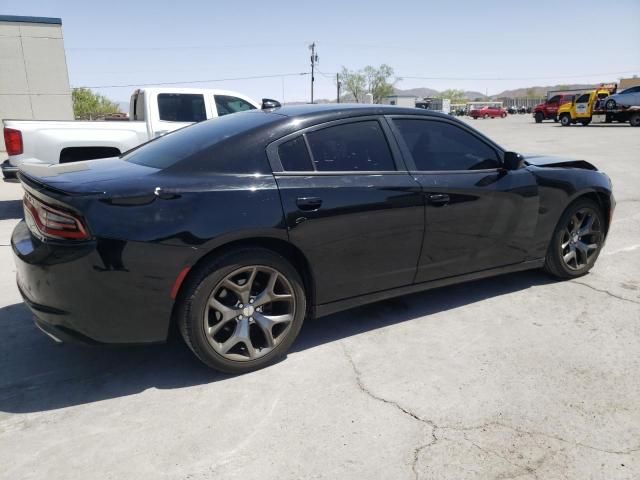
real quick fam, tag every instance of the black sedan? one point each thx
(238, 228)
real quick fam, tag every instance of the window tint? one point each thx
(584, 98)
(181, 107)
(204, 145)
(554, 99)
(359, 146)
(437, 146)
(226, 105)
(294, 155)
(632, 90)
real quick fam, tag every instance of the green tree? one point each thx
(353, 83)
(376, 81)
(379, 81)
(456, 96)
(89, 105)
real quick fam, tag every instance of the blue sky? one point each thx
(474, 45)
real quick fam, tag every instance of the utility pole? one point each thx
(338, 85)
(314, 60)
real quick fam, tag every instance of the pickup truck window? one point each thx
(555, 99)
(227, 104)
(583, 98)
(181, 107)
(205, 147)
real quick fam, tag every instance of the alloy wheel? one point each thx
(581, 239)
(249, 313)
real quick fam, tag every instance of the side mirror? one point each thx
(513, 161)
(268, 104)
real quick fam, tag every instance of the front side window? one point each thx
(439, 146)
(226, 104)
(181, 107)
(584, 98)
(359, 146)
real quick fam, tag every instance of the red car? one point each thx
(488, 111)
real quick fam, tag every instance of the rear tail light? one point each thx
(13, 141)
(44, 220)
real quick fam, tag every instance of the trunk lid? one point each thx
(90, 177)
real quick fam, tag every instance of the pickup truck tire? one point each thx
(485, 116)
(634, 120)
(585, 122)
(503, 115)
(565, 120)
(539, 117)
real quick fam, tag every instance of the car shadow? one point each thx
(11, 209)
(37, 374)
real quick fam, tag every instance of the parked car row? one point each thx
(603, 104)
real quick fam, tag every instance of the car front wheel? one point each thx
(243, 310)
(576, 241)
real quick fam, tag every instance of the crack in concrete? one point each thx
(607, 292)
(363, 388)
(529, 433)
(527, 470)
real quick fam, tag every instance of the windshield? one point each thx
(196, 140)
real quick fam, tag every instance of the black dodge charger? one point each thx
(238, 228)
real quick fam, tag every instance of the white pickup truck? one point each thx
(152, 113)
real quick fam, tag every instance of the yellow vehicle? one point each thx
(581, 109)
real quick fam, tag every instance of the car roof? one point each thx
(346, 110)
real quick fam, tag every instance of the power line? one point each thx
(518, 78)
(189, 82)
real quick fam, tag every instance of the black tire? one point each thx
(585, 122)
(554, 262)
(565, 120)
(610, 104)
(196, 295)
(555, 119)
(634, 120)
(539, 117)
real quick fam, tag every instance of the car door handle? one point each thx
(308, 203)
(438, 199)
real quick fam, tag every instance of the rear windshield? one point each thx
(195, 143)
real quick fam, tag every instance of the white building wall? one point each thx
(34, 83)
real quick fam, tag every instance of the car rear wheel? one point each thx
(576, 241)
(565, 120)
(539, 117)
(243, 310)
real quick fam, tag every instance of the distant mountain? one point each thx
(540, 91)
(417, 92)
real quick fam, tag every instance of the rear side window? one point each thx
(348, 147)
(214, 146)
(439, 146)
(226, 104)
(181, 107)
(555, 99)
(294, 155)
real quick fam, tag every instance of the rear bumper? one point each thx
(9, 172)
(99, 292)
